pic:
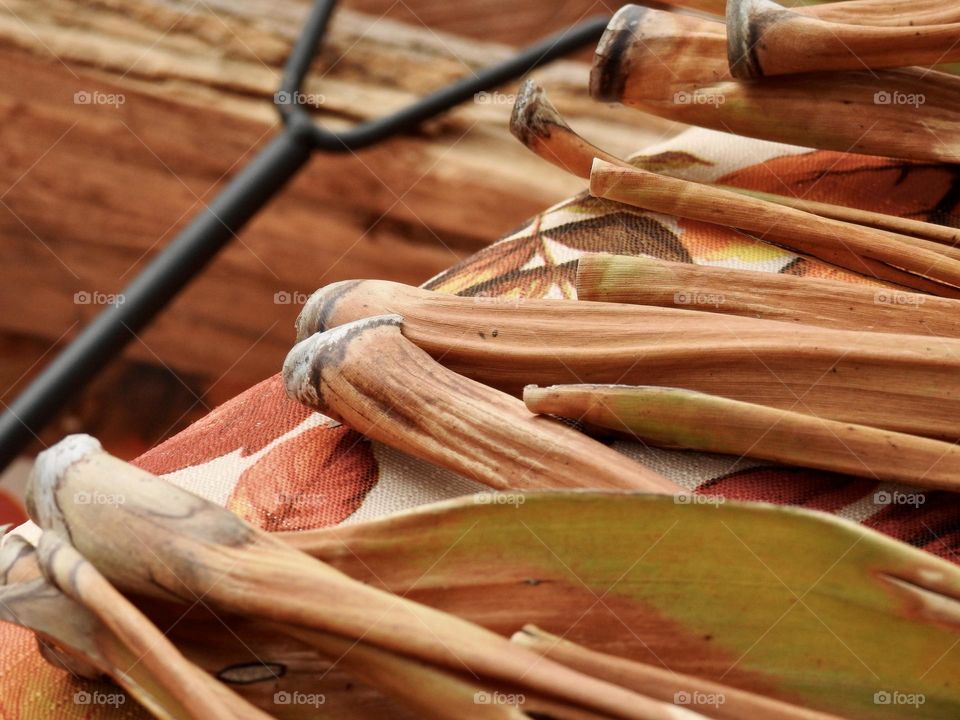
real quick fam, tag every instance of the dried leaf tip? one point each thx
(533, 114)
(741, 37)
(323, 349)
(48, 470)
(608, 75)
(317, 310)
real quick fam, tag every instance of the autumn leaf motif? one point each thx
(249, 422)
(317, 478)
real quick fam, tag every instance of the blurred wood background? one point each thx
(121, 118)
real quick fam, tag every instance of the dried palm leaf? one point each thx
(177, 546)
(884, 12)
(675, 66)
(765, 38)
(98, 628)
(541, 128)
(367, 375)
(673, 418)
(770, 296)
(906, 383)
(780, 601)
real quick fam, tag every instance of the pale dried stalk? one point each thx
(770, 296)
(905, 383)
(843, 244)
(539, 126)
(675, 418)
(675, 66)
(542, 129)
(367, 375)
(766, 39)
(101, 632)
(170, 544)
(434, 693)
(202, 696)
(733, 703)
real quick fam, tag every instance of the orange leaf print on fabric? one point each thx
(250, 422)
(11, 511)
(317, 478)
(813, 489)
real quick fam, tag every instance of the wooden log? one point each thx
(174, 99)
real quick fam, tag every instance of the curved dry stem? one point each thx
(178, 545)
(884, 12)
(368, 375)
(676, 66)
(766, 39)
(84, 635)
(674, 418)
(542, 129)
(539, 126)
(905, 383)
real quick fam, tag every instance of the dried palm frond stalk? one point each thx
(687, 420)
(641, 280)
(717, 700)
(439, 693)
(179, 547)
(913, 262)
(697, 581)
(884, 12)
(765, 38)
(265, 657)
(541, 128)
(369, 376)
(86, 618)
(907, 383)
(675, 66)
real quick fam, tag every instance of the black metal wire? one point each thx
(197, 244)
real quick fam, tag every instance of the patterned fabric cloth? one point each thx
(284, 467)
